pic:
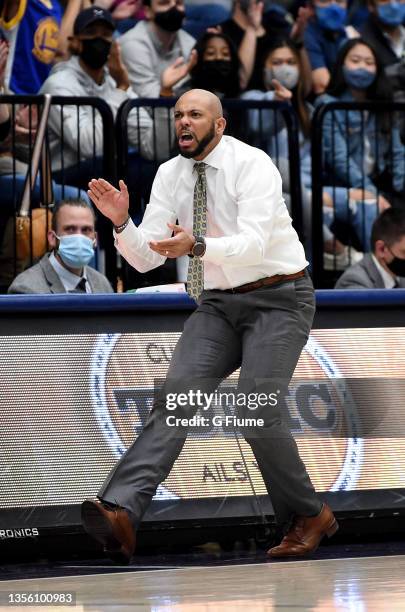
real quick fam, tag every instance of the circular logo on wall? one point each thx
(323, 416)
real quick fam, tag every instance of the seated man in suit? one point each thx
(72, 239)
(384, 268)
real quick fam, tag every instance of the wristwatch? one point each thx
(199, 247)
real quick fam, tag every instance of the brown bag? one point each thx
(31, 234)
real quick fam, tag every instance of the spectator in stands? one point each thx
(252, 32)
(384, 30)
(65, 269)
(218, 67)
(96, 69)
(384, 267)
(324, 34)
(363, 150)
(157, 52)
(32, 30)
(16, 146)
(283, 77)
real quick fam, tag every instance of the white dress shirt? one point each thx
(68, 279)
(249, 232)
(388, 280)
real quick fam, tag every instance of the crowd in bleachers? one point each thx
(304, 54)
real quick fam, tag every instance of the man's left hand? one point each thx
(180, 244)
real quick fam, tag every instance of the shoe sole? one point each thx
(98, 527)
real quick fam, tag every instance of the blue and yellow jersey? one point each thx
(33, 35)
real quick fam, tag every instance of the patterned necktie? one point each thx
(195, 276)
(80, 287)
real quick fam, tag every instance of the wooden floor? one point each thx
(357, 584)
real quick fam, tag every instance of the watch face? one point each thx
(198, 249)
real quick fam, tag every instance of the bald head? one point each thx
(199, 123)
(201, 98)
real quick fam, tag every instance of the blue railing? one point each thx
(342, 299)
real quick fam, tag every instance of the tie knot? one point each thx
(80, 287)
(199, 167)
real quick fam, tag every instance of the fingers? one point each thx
(92, 197)
(105, 184)
(122, 186)
(163, 250)
(175, 228)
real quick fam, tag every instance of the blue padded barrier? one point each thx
(63, 302)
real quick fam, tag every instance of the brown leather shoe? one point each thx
(305, 534)
(112, 527)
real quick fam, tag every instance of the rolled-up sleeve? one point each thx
(133, 242)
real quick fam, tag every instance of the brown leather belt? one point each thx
(266, 282)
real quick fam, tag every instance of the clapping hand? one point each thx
(304, 15)
(111, 202)
(116, 67)
(180, 244)
(126, 9)
(177, 71)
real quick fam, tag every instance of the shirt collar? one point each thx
(68, 278)
(389, 281)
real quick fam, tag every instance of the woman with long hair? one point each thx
(217, 68)
(286, 80)
(363, 149)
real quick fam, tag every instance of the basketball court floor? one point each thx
(354, 578)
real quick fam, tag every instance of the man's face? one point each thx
(195, 126)
(160, 6)
(73, 220)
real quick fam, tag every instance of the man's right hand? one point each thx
(111, 202)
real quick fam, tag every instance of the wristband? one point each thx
(120, 228)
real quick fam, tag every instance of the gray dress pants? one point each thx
(263, 332)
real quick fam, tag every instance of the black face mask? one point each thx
(170, 20)
(397, 265)
(216, 75)
(95, 52)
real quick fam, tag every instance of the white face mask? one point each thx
(285, 74)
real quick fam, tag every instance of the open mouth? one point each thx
(185, 139)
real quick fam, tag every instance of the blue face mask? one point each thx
(360, 78)
(392, 14)
(75, 250)
(332, 17)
